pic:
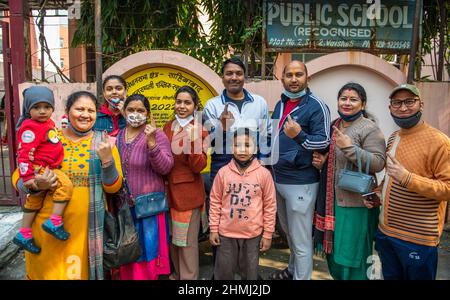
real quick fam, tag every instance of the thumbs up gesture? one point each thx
(150, 134)
(226, 118)
(291, 128)
(394, 168)
(342, 140)
(104, 150)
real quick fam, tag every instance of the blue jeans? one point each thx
(401, 260)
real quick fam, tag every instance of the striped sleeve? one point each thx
(319, 137)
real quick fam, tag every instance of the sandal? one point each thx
(281, 275)
(57, 231)
(26, 244)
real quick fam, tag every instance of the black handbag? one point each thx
(120, 239)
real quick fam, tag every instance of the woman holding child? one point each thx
(93, 166)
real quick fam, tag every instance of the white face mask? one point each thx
(136, 119)
(185, 121)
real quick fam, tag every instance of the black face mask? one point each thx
(244, 164)
(350, 118)
(408, 122)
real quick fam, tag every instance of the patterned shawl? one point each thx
(324, 212)
(96, 211)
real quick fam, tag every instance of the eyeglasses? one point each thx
(396, 103)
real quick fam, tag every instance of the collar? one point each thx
(225, 98)
(303, 99)
(419, 126)
(253, 166)
(105, 110)
(185, 121)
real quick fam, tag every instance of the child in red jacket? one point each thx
(242, 211)
(40, 147)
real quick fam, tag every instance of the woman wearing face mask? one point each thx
(109, 116)
(146, 158)
(186, 191)
(345, 222)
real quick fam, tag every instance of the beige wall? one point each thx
(327, 74)
(436, 97)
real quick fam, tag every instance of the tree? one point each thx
(435, 35)
(130, 26)
(236, 26)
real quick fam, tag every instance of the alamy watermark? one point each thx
(74, 11)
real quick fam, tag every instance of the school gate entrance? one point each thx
(9, 112)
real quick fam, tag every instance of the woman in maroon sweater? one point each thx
(186, 192)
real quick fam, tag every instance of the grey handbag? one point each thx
(357, 182)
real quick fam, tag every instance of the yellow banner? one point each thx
(159, 85)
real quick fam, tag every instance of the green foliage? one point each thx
(430, 30)
(130, 26)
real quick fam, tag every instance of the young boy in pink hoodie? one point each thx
(242, 211)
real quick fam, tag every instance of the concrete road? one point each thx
(274, 259)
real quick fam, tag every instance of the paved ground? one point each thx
(275, 259)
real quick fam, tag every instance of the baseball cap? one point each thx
(408, 87)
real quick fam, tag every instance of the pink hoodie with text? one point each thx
(243, 205)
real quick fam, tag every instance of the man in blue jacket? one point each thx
(304, 127)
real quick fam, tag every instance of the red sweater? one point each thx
(185, 184)
(44, 138)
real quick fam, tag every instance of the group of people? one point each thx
(284, 167)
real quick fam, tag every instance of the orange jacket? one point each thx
(185, 184)
(243, 205)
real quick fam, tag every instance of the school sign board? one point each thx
(377, 25)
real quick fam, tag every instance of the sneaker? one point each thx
(57, 231)
(26, 244)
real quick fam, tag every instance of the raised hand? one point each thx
(120, 107)
(226, 118)
(104, 150)
(193, 132)
(150, 134)
(394, 168)
(342, 140)
(291, 128)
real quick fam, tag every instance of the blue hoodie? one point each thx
(294, 164)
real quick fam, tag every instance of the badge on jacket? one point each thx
(52, 136)
(28, 136)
